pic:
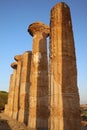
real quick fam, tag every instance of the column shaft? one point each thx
(9, 96)
(11, 91)
(17, 90)
(65, 108)
(24, 88)
(38, 110)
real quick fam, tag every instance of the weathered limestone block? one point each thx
(24, 87)
(6, 109)
(38, 95)
(17, 87)
(64, 106)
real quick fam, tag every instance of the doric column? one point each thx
(11, 90)
(24, 87)
(9, 96)
(17, 87)
(65, 110)
(38, 103)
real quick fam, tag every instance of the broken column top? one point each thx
(38, 27)
(61, 4)
(14, 65)
(30, 52)
(18, 57)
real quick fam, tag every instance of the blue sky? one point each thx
(15, 17)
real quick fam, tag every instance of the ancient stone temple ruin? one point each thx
(44, 94)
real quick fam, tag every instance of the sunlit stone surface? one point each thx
(38, 99)
(64, 105)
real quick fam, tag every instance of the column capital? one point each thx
(18, 57)
(14, 65)
(27, 52)
(39, 27)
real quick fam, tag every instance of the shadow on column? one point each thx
(42, 114)
(26, 117)
(71, 106)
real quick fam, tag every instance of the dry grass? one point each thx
(7, 123)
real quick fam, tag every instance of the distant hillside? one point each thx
(3, 99)
(84, 114)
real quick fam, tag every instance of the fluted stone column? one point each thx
(9, 96)
(17, 87)
(24, 87)
(65, 110)
(38, 103)
(12, 84)
(11, 90)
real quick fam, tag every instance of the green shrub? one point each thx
(84, 118)
(3, 99)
